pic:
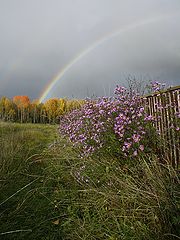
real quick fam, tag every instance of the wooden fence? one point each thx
(165, 108)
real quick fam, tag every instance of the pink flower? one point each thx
(135, 153)
(127, 145)
(136, 138)
(141, 147)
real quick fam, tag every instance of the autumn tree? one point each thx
(2, 108)
(35, 111)
(62, 104)
(23, 104)
(51, 106)
(22, 110)
(7, 109)
(74, 104)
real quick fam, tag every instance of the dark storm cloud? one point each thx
(39, 37)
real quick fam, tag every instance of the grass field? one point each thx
(48, 192)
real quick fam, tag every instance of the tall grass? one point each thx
(114, 201)
(81, 198)
(21, 174)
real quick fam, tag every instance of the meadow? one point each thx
(49, 192)
(102, 173)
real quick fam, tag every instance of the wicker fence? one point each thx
(165, 108)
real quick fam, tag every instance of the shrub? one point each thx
(118, 124)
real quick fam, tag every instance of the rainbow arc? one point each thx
(92, 47)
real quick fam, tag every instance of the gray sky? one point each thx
(39, 37)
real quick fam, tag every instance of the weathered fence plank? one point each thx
(164, 106)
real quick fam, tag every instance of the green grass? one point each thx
(21, 164)
(48, 192)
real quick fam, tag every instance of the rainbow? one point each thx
(96, 44)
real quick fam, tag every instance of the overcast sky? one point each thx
(39, 37)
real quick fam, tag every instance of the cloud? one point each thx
(38, 38)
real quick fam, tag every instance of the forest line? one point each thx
(21, 109)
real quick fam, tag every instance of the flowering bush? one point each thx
(117, 124)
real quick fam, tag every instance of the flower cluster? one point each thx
(157, 86)
(102, 122)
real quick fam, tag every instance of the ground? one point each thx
(47, 191)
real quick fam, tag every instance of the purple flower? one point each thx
(136, 138)
(141, 147)
(135, 153)
(121, 118)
